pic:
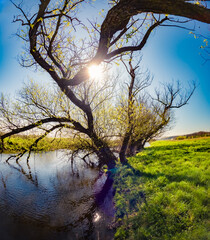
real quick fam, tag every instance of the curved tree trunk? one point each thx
(103, 151)
(107, 157)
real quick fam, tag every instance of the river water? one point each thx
(45, 200)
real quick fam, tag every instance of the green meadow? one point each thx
(163, 194)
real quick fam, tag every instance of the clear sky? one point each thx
(170, 53)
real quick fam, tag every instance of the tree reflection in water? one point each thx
(44, 199)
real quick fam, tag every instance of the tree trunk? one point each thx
(119, 16)
(131, 150)
(107, 157)
(130, 111)
(123, 149)
(139, 148)
(140, 145)
(103, 151)
(135, 147)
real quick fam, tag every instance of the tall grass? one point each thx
(168, 199)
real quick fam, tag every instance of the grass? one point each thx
(19, 143)
(169, 198)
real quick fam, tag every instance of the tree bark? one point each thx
(135, 146)
(140, 146)
(119, 16)
(131, 151)
(103, 151)
(180, 8)
(123, 149)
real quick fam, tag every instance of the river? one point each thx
(45, 200)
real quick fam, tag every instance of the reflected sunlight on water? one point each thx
(46, 200)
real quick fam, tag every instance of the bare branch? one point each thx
(138, 47)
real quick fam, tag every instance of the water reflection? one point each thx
(46, 200)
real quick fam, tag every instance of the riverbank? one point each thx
(162, 195)
(168, 197)
(19, 143)
(16, 144)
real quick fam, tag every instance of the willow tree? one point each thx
(47, 110)
(142, 116)
(153, 117)
(52, 33)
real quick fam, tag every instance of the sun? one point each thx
(95, 71)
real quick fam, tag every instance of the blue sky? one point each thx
(170, 54)
(174, 54)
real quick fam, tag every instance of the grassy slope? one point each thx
(174, 177)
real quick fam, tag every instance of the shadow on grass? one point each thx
(171, 177)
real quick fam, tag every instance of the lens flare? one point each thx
(95, 71)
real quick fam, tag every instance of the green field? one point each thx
(167, 198)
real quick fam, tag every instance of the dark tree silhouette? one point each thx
(49, 30)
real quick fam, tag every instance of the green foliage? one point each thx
(169, 197)
(19, 143)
